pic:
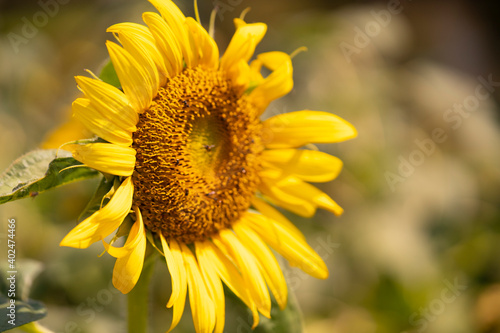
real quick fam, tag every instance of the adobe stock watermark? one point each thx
(223, 6)
(373, 28)
(31, 25)
(454, 117)
(436, 307)
(89, 308)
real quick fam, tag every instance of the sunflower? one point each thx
(197, 169)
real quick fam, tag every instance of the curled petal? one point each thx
(296, 195)
(243, 44)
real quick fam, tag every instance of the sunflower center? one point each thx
(197, 156)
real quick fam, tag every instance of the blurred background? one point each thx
(418, 247)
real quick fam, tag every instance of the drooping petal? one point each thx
(278, 83)
(175, 264)
(229, 274)
(94, 120)
(247, 264)
(128, 267)
(296, 195)
(135, 238)
(144, 35)
(103, 222)
(140, 49)
(214, 286)
(109, 101)
(202, 306)
(267, 262)
(295, 250)
(106, 157)
(308, 165)
(166, 42)
(136, 81)
(298, 205)
(206, 46)
(242, 45)
(295, 129)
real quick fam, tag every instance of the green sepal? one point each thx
(97, 199)
(108, 74)
(39, 171)
(124, 228)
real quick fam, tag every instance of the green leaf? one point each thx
(108, 75)
(39, 171)
(18, 313)
(17, 309)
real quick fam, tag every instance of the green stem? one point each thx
(138, 299)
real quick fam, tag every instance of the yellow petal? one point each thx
(147, 40)
(243, 44)
(295, 129)
(135, 238)
(296, 195)
(268, 263)
(274, 214)
(106, 157)
(166, 42)
(242, 77)
(109, 101)
(176, 21)
(175, 265)
(103, 222)
(229, 274)
(247, 264)
(291, 248)
(202, 306)
(173, 269)
(94, 120)
(206, 46)
(128, 268)
(136, 80)
(273, 60)
(278, 83)
(140, 49)
(308, 165)
(214, 286)
(274, 192)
